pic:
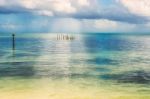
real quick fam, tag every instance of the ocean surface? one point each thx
(91, 66)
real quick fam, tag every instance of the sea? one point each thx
(90, 66)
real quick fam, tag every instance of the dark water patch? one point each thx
(102, 61)
(101, 69)
(20, 55)
(84, 75)
(77, 61)
(100, 42)
(3, 64)
(59, 75)
(2, 53)
(5, 42)
(139, 77)
(146, 91)
(24, 69)
(50, 74)
(33, 45)
(141, 60)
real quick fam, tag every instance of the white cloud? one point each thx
(54, 6)
(105, 24)
(108, 25)
(28, 4)
(83, 2)
(2, 2)
(147, 25)
(66, 25)
(139, 7)
(75, 15)
(44, 13)
(81, 9)
(47, 5)
(62, 6)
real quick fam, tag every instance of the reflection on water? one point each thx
(99, 63)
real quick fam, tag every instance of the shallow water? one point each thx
(93, 66)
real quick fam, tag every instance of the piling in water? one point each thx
(65, 37)
(13, 41)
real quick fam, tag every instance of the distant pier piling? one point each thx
(13, 41)
(65, 37)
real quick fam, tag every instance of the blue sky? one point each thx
(41, 16)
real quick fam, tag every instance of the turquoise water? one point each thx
(112, 62)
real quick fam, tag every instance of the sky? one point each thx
(75, 16)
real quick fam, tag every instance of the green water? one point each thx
(92, 66)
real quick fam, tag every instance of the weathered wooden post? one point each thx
(13, 41)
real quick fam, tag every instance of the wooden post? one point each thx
(13, 41)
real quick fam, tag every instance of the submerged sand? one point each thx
(47, 88)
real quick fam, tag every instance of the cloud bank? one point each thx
(138, 7)
(99, 15)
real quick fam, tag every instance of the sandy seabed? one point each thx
(12, 88)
